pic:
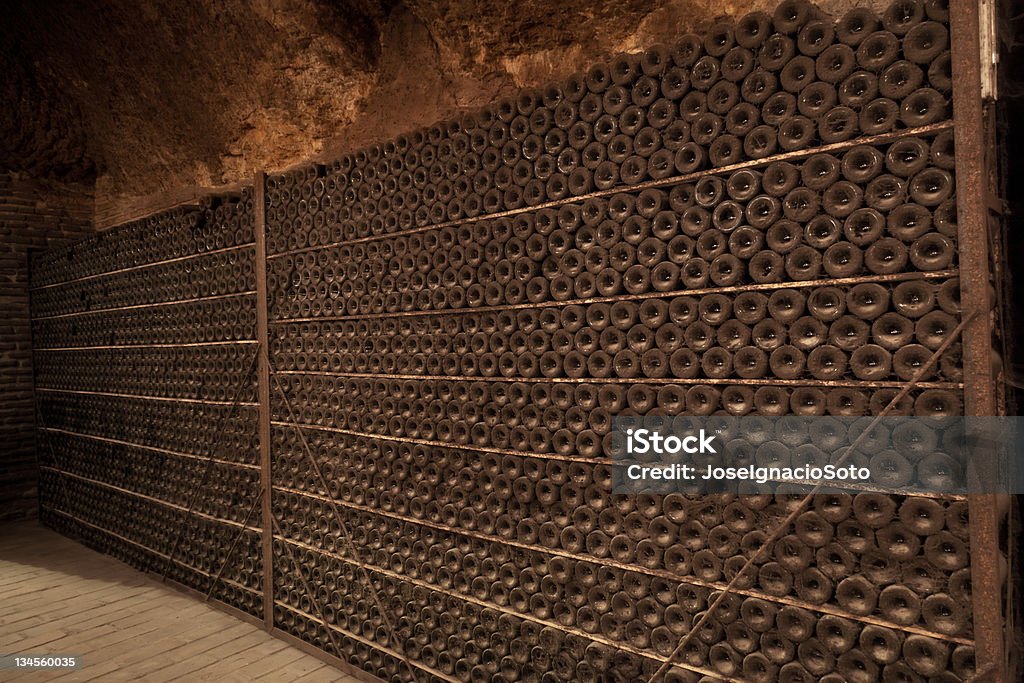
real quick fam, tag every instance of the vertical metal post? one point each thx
(263, 396)
(973, 186)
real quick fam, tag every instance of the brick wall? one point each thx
(33, 215)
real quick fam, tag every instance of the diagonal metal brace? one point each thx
(783, 526)
(346, 537)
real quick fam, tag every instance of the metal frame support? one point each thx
(974, 142)
(263, 396)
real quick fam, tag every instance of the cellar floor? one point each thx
(60, 598)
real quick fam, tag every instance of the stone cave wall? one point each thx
(180, 97)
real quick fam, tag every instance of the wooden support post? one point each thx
(263, 398)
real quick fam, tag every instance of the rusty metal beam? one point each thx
(795, 155)
(263, 398)
(974, 168)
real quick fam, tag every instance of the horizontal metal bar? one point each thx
(130, 444)
(639, 187)
(603, 562)
(142, 546)
(136, 307)
(439, 444)
(154, 264)
(597, 638)
(244, 404)
(760, 287)
(579, 458)
(854, 384)
(151, 499)
(615, 644)
(237, 342)
(365, 641)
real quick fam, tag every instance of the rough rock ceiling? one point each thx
(170, 87)
(149, 95)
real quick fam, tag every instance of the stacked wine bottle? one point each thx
(759, 221)
(144, 370)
